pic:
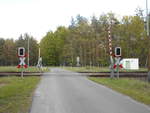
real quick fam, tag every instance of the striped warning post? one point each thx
(110, 40)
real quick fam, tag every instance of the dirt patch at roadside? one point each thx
(2, 84)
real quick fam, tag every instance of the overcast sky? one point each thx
(37, 17)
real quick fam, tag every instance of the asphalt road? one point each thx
(66, 92)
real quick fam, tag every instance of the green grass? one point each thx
(16, 94)
(99, 69)
(15, 69)
(87, 69)
(138, 90)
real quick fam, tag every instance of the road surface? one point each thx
(62, 91)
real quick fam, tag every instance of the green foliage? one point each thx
(15, 69)
(33, 47)
(2, 42)
(100, 69)
(89, 40)
(8, 50)
(52, 46)
(16, 94)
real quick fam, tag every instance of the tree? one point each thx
(9, 52)
(2, 42)
(88, 39)
(23, 42)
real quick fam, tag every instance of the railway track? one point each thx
(19, 74)
(121, 74)
(89, 74)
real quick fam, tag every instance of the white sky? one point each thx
(37, 17)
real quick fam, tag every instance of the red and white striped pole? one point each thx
(110, 40)
(110, 51)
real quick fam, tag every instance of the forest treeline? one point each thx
(9, 48)
(88, 39)
(84, 38)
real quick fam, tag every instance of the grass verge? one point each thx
(87, 69)
(15, 69)
(16, 94)
(100, 69)
(136, 89)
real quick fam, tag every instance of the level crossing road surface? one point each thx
(62, 91)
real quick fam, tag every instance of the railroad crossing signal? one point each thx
(21, 55)
(118, 51)
(117, 63)
(21, 51)
(117, 58)
(22, 62)
(117, 55)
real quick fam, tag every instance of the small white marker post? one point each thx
(78, 61)
(39, 65)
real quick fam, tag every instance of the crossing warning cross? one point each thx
(22, 55)
(120, 65)
(117, 63)
(22, 62)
